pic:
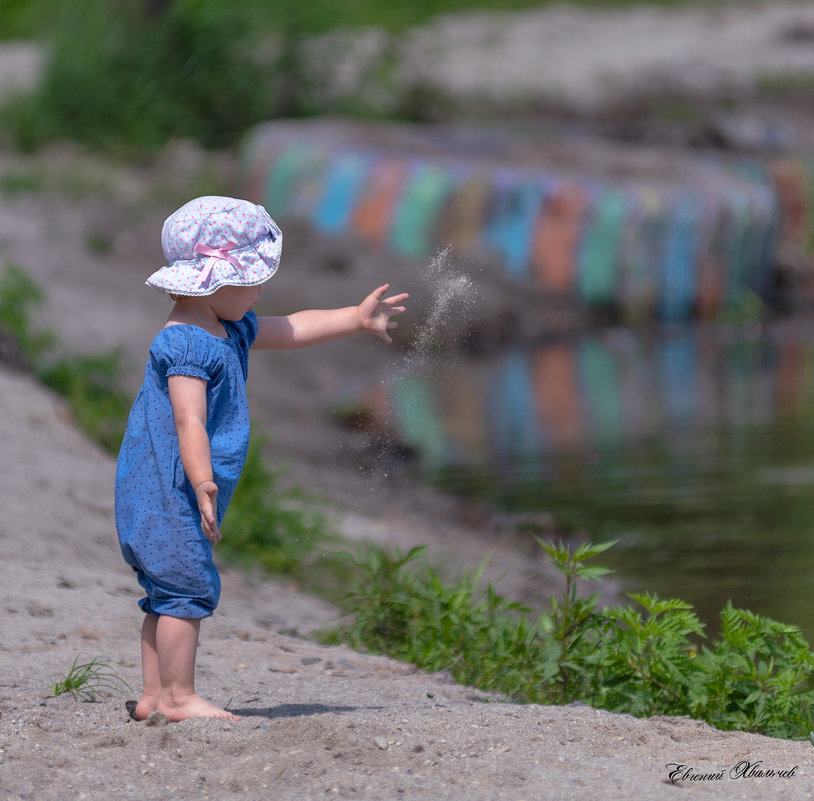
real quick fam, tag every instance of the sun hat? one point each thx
(212, 242)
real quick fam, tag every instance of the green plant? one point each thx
(132, 75)
(27, 18)
(268, 526)
(89, 680)
(91, 384)
(19, 182)
(572, 619)
(476, 634)
(645, 665)
(756, 677)
(641, 659)
(19, 298)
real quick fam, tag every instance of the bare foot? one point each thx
(146, 705)
(192, 706)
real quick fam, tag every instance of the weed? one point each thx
(99, 244)
(477, 635)
(267, 526)
(19, 298)
(90, 679)
(91, 384)
(19, 182)
(149, 71)
(786, 82)
(641, 659)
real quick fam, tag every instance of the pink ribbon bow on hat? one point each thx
(216, 253)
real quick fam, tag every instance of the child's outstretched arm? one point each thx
(188, 399)
(316, 326)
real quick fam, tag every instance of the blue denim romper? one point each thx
(157, 515)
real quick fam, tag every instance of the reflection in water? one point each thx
(694, 447)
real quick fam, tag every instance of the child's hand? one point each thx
(207, 494)
(375, 313)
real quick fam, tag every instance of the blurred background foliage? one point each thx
(130, 75)
(30, 18)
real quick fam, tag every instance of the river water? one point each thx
(693, 446)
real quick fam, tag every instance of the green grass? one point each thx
(88, 680)
(789, 82)
(268, 526)
(91, 384)
(20, 298)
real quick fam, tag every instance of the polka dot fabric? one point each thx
(250, 241)
(157, 516)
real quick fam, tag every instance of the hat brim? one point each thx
(206, 275)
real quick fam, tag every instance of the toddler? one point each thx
(188, 430)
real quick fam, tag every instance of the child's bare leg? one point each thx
(149, 668)
(176, 645)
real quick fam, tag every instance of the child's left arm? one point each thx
(316, 326)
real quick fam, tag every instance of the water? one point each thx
(693, 447)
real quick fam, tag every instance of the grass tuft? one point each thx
(90, 679)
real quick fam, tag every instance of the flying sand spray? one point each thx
(453, 301)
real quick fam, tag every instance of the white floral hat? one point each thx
(212, 242)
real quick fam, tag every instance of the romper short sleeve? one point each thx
(184, 350)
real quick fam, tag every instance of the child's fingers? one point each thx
(214, 531)
(391, 301)
(207, 498)
(211, 530)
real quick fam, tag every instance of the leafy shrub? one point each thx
(641, 659)
(91, 385)
(756, 677)
(474, 634)
(133, 75)
(267, 526)
(19, 298)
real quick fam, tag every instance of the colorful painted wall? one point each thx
(666, 244)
